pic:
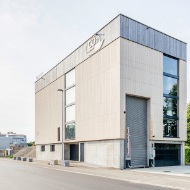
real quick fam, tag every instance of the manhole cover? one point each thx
(167, 171)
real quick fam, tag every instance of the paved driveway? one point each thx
(171, 170)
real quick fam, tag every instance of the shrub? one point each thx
(187, 155)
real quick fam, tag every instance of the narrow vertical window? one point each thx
(58, 133)
(170, 99)
(70, 105)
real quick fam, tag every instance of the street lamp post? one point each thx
(62, 157)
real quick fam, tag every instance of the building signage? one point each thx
(128, 157)
(94, 44)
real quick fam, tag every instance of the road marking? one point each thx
(115, 178)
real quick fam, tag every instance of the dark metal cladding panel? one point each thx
(184, 51)
(174, 49)
(166, 44)
(178, 47)
(136, 121)
(150, 38)
(158, 41)
(144, 35)
(124, 28)
(132, 30)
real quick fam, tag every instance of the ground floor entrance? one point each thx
(167, 154)
(74, 152)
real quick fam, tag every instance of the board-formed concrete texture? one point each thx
(124, 58)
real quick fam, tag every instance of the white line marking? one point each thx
(109, 177)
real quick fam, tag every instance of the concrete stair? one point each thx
(27, 152)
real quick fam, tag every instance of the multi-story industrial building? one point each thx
(12, 139)
(121, 97)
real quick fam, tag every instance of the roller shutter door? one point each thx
(136, 122)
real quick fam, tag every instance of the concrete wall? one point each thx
(183, 100)
(56, 155)
(142, 75)
(98, 95)
(48, 109)
(105, 153)
(47, 155)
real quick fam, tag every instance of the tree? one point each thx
(188, 126)
(31, 143)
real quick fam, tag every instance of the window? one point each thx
(43, 148)
(58, 133)
(70, 105)
(52, 148)
(170, 86)
(70, 96)
(70, 113)
(170, 127)
(170, 99)
(170, 107)
(170, 66)
(70, 78)
(70, 131)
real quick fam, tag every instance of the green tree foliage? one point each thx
(31, 143)
(187, 148)
(188, 126)
(187, 155)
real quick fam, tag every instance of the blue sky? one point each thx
(37, 34)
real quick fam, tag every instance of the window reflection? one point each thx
(170, 86)
(170, 66)
(169, 107)
(70, 131)
(170, 127)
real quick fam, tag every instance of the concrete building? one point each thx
(124, 99)
(11, 139)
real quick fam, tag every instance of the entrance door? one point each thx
(167, 154)
(74, 152)
(136, 123)
(82, 152)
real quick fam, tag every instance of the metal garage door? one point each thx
(167, 154)
(136, 123)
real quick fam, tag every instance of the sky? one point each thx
(37, 34)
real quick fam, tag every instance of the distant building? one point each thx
(11, 139)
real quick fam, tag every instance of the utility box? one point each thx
(53, 162)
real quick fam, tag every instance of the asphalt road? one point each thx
(16, 175)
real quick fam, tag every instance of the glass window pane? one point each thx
(169, 107)
(170, 127)
(170, 86)
(70, 78)
(70, 131)
(170, 65)
(70, 95)
(70, 113)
